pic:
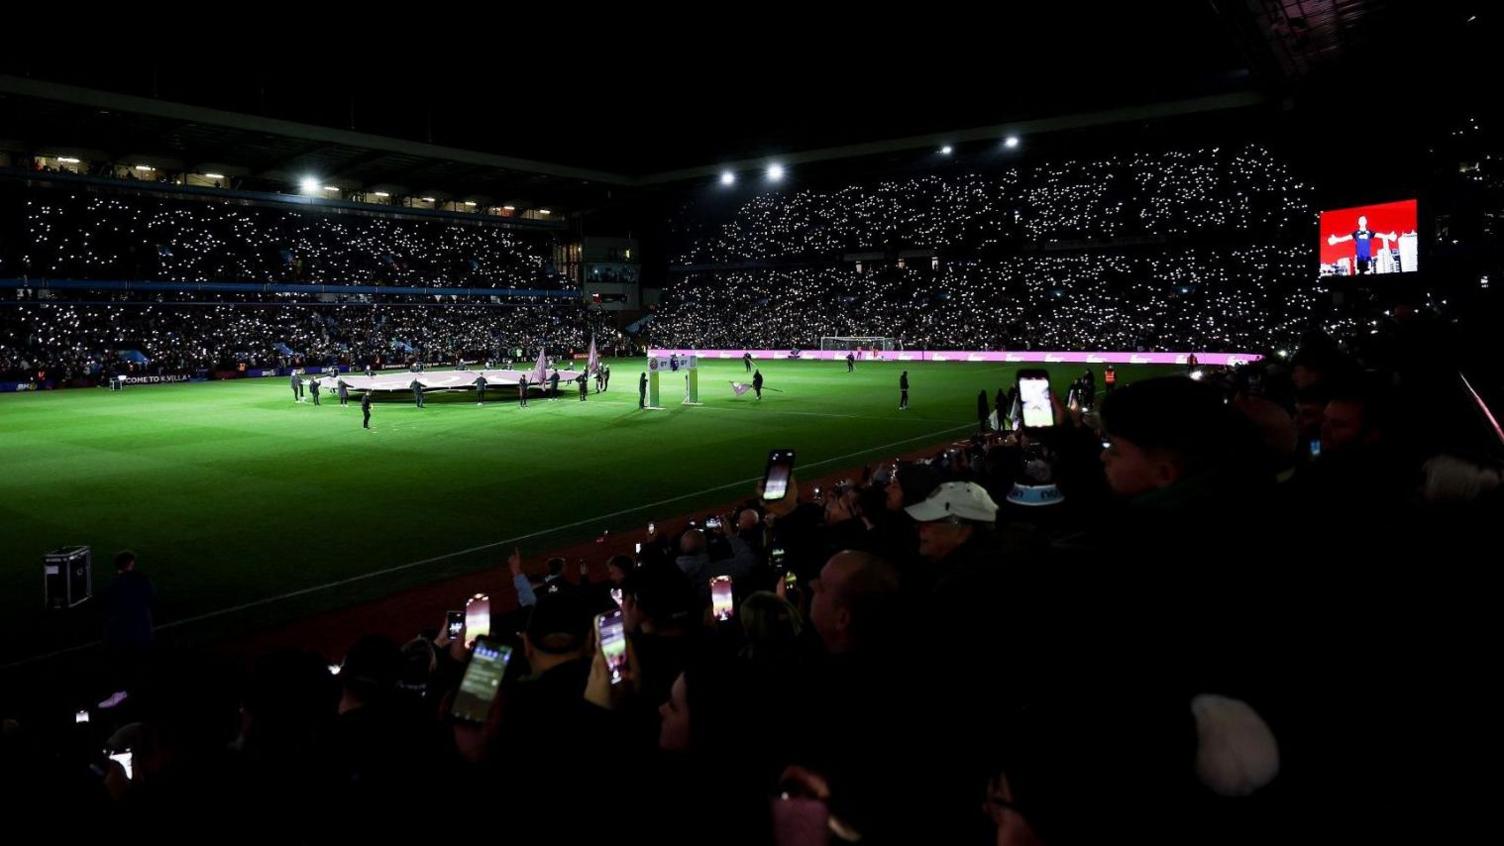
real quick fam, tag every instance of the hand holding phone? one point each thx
(788, 588)
(775, 556)
(482, 680)
(477, 617)
(613, 639)
(1034, 397)
(721, 598)
(125, 759)
(775, 481)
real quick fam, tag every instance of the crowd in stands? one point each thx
(1206, 249)
(1240, 300)
(1192, 639)
(1248, 192)
(77, 234)
(70, 340)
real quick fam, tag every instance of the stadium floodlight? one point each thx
(509, 208)
(382, 194)
(946, 150)
(1011, 142)
(775, 172)
(428, 199)
(545, 212)
(67, 160)
(728, 178)
(145, 167)
(214, 176)
(309, 185)
(330, 188)
(470, 203)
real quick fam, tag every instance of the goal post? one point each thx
(870, 343)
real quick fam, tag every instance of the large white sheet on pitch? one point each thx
(402, 380)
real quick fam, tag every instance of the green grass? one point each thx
(231, 493)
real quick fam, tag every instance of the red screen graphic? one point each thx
(1387, 242)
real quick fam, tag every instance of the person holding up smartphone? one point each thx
(541, 710)
(1036, 399)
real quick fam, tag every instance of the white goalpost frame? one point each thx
(871, 345)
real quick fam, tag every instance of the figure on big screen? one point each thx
(1362, 239)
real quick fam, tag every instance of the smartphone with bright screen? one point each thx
(1034, 396)
(720, 597)
(124, 759)
(454, 624)
(775, 481)
(613, 635)
(482, 680)
(477, 617)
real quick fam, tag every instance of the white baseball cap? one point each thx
(961, 500)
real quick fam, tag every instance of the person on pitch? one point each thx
(757, 383)
(522, 390)
(553, 385)
(365, 409)
(297, 386)
(850, 362)
(584, 385)
(344, 392)
(903, 391)
(606, 377)
(747, 360)
(480, 390)
(417, 392)
(313, 390)
(642, 391)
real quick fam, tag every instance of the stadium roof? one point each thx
(567, 115)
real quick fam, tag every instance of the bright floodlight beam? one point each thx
(775, 172)
(728, 178)
(946, 150)
(309, 185)
(1011, 142)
